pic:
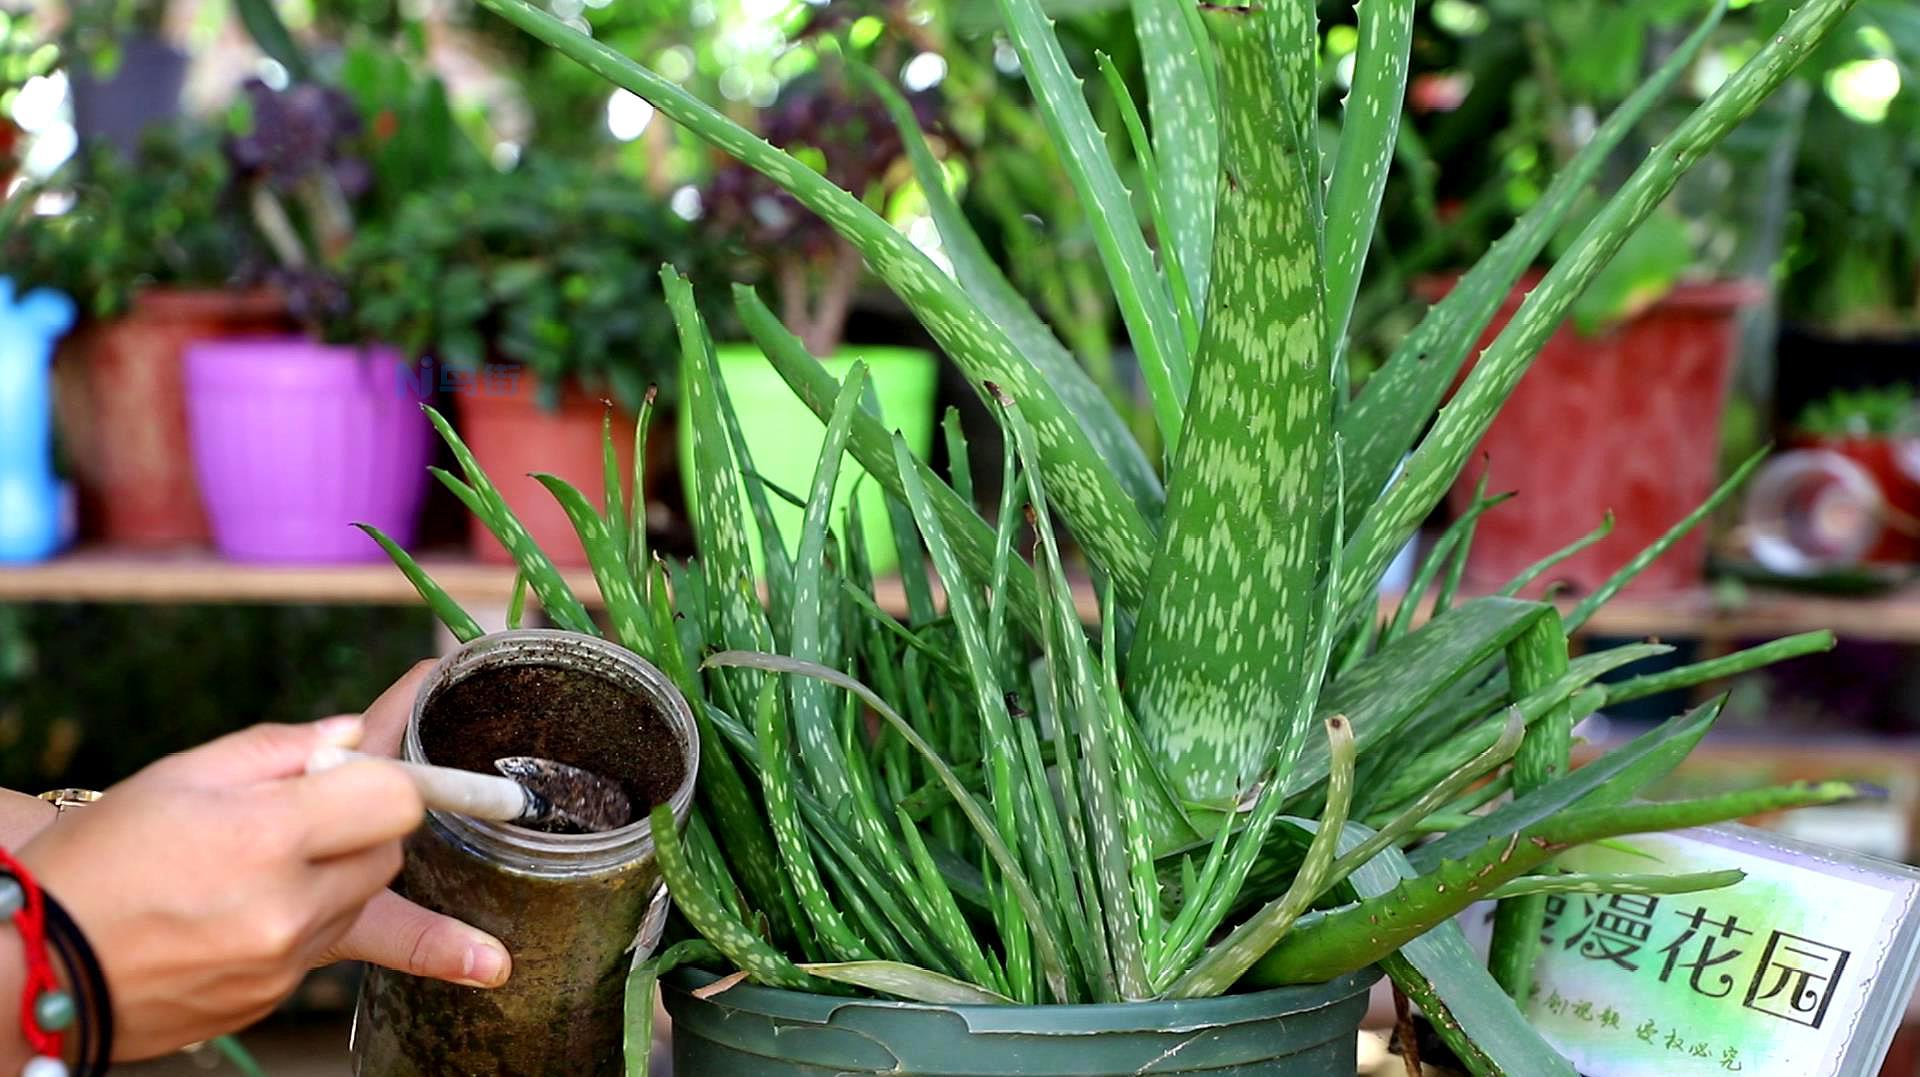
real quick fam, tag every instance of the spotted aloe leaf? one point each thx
(1219, 652)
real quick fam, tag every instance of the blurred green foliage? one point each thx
(1854, 260)
(553, 265)
(168, 217)
(89, 694)
(1887, 411)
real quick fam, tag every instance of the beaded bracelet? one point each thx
(47, 1011)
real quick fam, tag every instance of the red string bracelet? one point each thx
(30, 918)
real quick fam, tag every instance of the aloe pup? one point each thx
(1231, 781)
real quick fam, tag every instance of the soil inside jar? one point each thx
(557, 713)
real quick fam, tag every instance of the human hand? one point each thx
(393, 931)
(211, 881)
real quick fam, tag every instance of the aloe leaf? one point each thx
(1102, 513)
(263, 24)
(1137, 287)
(778, 785)
(726, 557)
(1546, 564)
(999, 300)
(1437, 460)
(1434, 799)
(637, 552)
(1624, 768)
(1176, 55)
(1355, 936)
(959, 460)
(1604, 593)
(1451, 541)
(1398, 681)
(1226, 961)
(1183, 303)
(1688, 883)
(1234, 575)
(517, 600)
(1082, 699)
(1369, 130)
(813, 723)
(642, 977)
(983, 826)
(702, 908)
(555, 596)
(742, 823)
(1443, 976)
(458, 620)
(614, 495)
(1385, 420)
(958, 936)
(1535, 660)
(1714, 669)
(972, 538)
(908, 982)
(607, 556)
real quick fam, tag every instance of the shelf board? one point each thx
(104, 574)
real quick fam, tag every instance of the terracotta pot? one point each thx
(512, 435)
(123, 412)
(1627, 421)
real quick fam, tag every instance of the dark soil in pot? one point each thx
(558, 714)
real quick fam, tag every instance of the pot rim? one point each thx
(1158, 1015)
(1709, 295)
(630, 842)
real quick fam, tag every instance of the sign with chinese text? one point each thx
(1804, 968)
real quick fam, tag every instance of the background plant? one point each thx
(1853, 265)
(550, 266)
(1225, 785)
(168, 217)
(1853, 413)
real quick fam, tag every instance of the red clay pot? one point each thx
(123, 412)
(511, 435)
(1628, 421)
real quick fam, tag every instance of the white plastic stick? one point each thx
(463, 792)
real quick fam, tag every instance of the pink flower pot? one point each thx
(294, 442)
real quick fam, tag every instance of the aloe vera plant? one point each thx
(1234, 779)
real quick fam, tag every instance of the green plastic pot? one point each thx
(783, 435)
(748, 1031)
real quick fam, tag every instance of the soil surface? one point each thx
(561, 714)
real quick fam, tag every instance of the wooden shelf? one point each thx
(98, 574)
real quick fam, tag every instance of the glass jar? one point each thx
(571, 908)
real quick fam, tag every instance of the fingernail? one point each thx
(484, 965)
(342, 732)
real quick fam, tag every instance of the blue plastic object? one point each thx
(31, 520)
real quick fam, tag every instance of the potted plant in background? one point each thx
(297, 437)
(817, 275)
(154, 249)
(1852, 290)
(1642, 371)
(533, 294)
(1156, 853)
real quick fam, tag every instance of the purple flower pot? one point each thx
(294, 442)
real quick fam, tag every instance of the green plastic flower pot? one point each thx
(748, 1031)
(783, 436)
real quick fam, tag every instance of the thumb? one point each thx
(396, 933)
(261, 753)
